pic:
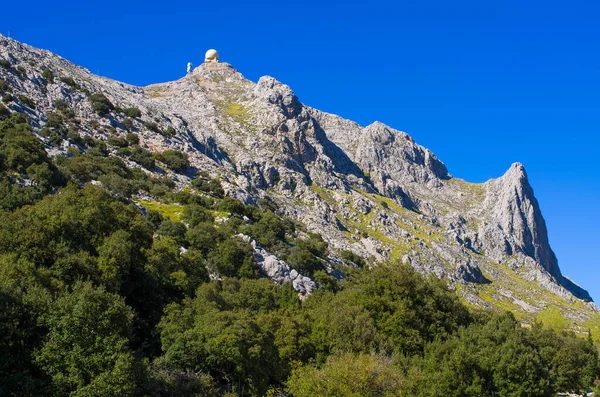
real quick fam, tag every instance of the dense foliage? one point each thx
(98, 298)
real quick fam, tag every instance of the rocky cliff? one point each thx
(371, 190)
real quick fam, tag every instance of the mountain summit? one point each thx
(372, 191)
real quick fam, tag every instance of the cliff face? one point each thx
(372, 189)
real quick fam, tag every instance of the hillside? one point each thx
(213, 235)
(370, 190)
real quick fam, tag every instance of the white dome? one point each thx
(211, 55)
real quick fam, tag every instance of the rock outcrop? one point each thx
(279, 271)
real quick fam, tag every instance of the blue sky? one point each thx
(481, 83)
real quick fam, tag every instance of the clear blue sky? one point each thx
(483, 84)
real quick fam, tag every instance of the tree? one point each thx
(231, 257)
(142, 157)
(101, 104)
(348, 375)
(133, 113)
(227, 344)
(175, 230)
(408, 308)
(195, 214)
(20, 333)
(85, 350)
(175, 160)
(204, 237)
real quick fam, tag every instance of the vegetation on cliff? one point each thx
(98, 297)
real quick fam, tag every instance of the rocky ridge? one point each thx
(371, 190)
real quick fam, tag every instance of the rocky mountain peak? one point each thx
(370, 190)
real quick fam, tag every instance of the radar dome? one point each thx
(211, 56)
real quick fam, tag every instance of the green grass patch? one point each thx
(171, 211)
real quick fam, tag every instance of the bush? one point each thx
(233, 206)
(142, 157)
(7, 98)
(231, 257)
(4, 112)
(48, 75)
(70, 114)
(194, 214)
(73, 135)
(4, 87)
(54, 120)
(133, 139)
(207, 185)
(22, 71)
(175, 160)
(70, 82)
(152, 126)
(4, 63)
(61, 105)
(27, 101)
(170, 131)
(307, 255)
(133, 112)
(128, 123)
(175, 230)
(269, 230)
(101, 104)
(349, 256)
(349, 375)
(117, 141)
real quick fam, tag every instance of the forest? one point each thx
(102, 297)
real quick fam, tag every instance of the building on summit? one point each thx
(211, 56)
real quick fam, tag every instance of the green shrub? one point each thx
(61, 105)
(175, 230)
(4, 87)
(27, 101)
(133, 139)
(195, 214)
(101, 104)
(349, 256)
(7, 98)
(307, 255)
(48, 75)
(133, 112)
(124, 151)
(54, 137)
(142, 157)
(22, 71)
(231, 205)
(175, 160)
(54, 120)
(117, 141)
(231, 256)
(349, 375)
(73, 151)
(70, 114)
(152, 126)
(128, 123)
(207, 185)
(73, 135)
(70, 82)
(89, 141)
(4, 112)
(170, 131)
(5, 64)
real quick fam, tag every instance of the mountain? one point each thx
(372, 191)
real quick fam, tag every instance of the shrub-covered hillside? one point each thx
(105, 294)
